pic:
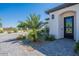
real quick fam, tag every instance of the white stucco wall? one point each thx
(54, 24)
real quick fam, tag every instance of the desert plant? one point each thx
(34, 36)
(34, 25)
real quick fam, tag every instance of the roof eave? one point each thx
(56, 8)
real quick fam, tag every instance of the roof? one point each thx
(60, 7)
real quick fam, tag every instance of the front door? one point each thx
(69, 27)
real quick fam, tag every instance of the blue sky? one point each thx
(12, 13)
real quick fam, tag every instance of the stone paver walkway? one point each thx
(60, 47)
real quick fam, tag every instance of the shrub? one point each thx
(50, 37)
(1, 30)
(21, 37)
(34, 24)
(45, 35)
(76, 47)
(33, 35)
(15, 30)
(10, 30)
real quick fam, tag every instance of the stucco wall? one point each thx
(55, 25)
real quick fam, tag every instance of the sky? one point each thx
(12, 13)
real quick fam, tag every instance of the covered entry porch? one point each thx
(67, 25)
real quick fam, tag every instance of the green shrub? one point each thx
(76, 47)
(46, 36)
(21, 37)
(15, 31)
(1, 30)
(33, 35)
(50, 38)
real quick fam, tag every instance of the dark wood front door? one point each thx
(69, 27)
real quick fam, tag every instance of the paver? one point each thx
(61, 47)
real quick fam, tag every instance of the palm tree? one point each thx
(34, 24)
(21, 25)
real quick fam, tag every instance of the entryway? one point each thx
(69, 27)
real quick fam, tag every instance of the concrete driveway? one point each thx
(9, 46)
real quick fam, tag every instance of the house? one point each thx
(64, 21)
